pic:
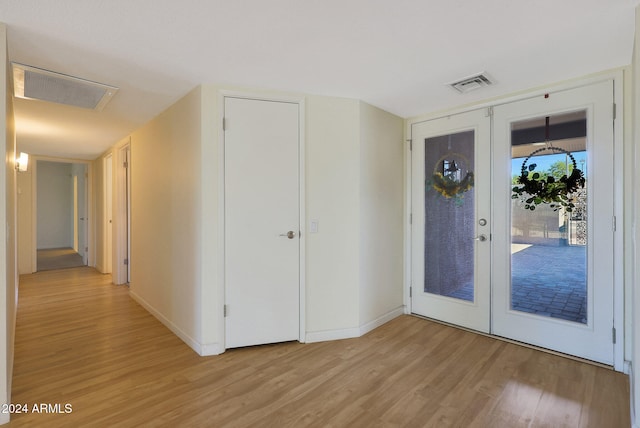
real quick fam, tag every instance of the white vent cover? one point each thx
(471, 83)
(39, 84)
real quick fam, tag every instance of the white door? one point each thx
(121, 265)
(553, 270)
(126, 152)
(108, 209)
(262, 221)
(482, 258)
(451, 219)
(83, 225)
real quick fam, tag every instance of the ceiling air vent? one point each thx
(471, 83)
(38, 84)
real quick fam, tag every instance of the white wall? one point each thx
(54, 205)
(165, 222)
(381, 214)
(25, 222)
(635, 188)
(176, 228)
(332, 198)
(8, 264)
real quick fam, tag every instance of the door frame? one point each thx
(121, 245)
(617, 76)
(107, 217)
(89, 207)
(301, 201)
(475, 314)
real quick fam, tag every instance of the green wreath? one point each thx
(450, 188)
(446, 185)
(537, 190)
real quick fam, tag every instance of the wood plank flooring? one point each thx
(84, 342)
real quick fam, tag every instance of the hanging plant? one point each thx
(536, 189)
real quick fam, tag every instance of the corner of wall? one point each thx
(332, 197)
(8, 211)
(211, 164)
(635, 309)
(381, 190)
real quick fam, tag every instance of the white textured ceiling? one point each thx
(395, 54)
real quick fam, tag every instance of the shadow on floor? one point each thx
(58, 258)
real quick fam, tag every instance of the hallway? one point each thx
(84, 342)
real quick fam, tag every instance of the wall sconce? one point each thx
(22, 162)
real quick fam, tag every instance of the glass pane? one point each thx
(548, 217)
(449, 215)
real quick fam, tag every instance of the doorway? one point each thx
(107, 163)
(61, 215)
(261, 221)
(121, 263)
(524, 265)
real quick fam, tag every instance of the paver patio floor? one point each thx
(547, 281)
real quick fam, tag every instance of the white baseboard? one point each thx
(372, 325)
(326, 335)
(349, 333)
(4, 418)
(210, 349)
(193, 344)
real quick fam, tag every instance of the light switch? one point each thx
(313, 228)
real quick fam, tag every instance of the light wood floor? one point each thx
(82, 341)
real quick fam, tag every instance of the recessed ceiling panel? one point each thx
(45, 85)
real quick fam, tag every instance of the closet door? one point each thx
(262, 221)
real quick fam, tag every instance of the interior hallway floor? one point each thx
(58, 258)
(84, 342)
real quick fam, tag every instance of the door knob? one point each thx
(481, 238)
(290, 234)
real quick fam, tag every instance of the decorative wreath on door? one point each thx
(447, 177)
(535, 189)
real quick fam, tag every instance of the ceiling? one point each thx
(395, 54)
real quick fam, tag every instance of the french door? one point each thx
(451, 219)
(553, 267)
(490, 258)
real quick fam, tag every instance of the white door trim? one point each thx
(618, 237)
(473, 314)
(89, 211)
(107, 215)
(618, 292)
(121, 217)
(301, 198)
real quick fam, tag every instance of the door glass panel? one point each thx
(449, 215)
(549, 230)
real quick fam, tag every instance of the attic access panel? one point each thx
(39, 84)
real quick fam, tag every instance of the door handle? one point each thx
(290, 234)
(481, 238)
